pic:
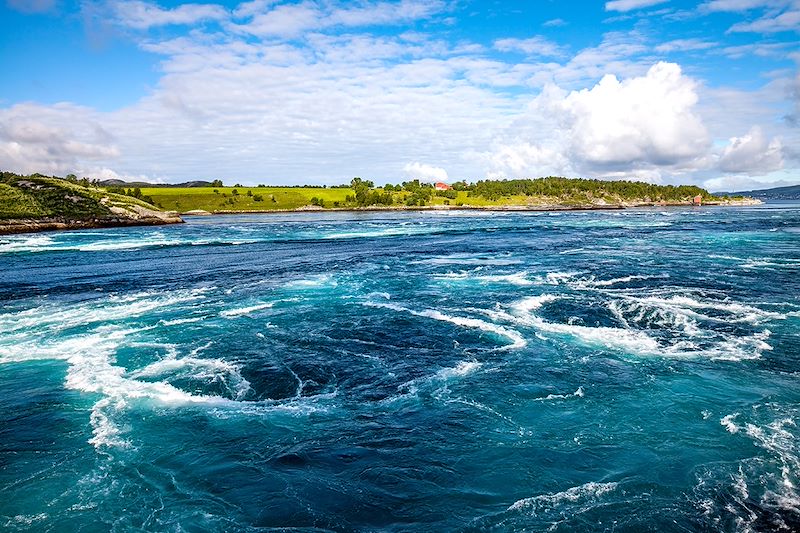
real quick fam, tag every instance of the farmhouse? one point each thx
(441, 186)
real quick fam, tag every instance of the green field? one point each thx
(248, 198)
(220, 199)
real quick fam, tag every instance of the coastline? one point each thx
(155, 218)
(500, 208)
(17, 226)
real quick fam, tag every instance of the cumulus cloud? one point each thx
(644, 119)
(752, 154)
(631, 125)
(630, 5)
(423, 172)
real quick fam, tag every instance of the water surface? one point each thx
(572, 371)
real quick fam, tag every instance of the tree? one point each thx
(217, 183)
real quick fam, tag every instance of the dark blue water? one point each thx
(584, 371)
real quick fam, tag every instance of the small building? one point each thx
(697, 200)
(441, 186)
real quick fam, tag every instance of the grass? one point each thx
(38, 197)
(190, 198)
(183, 199)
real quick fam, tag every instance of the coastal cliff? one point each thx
(42, 203)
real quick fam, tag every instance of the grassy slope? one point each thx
(38, 197)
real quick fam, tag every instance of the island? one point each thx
(38, 202)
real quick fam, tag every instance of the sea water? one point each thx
(405, 371)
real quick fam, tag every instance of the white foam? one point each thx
(740, 312)
(179, 321)
(517, 340)
(320, 280)
(577, 394)
(233, 313)
(592, 282)
(460, 370)
(516, 278)
(532, 303)
(591, 490)
(468, 259)
(728, 423)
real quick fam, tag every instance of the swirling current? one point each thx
(405, 371)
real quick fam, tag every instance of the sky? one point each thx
(319, 91)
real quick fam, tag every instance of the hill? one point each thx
(141, 184)
(791, 192)
(37, 202)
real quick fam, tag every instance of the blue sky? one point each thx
(318, 91)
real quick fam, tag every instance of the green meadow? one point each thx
(214, 199)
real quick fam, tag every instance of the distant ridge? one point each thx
(791, 192)
(142, 184)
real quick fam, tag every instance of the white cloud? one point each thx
(630, 5)
(631, 126)
(58, 139)
(752, 154)
(645, 119)
(554, 23)
(787, 21)
(291, 20)
(141, 15)
(685, 45)
(535, 46)
(739, 5)
(423, 172)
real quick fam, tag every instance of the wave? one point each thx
(517, 340)
(577, 394)
(88, 337)
(391, 231)
(517, 278)
(469, 259)
(587, 491)
(460, 370)
(109, 309)
(76, 242)
(764, 487)
(240, 311)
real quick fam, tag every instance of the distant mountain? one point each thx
(792, 192)
(121, 183)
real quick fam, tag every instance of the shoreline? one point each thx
(499, 208)
(20, 226)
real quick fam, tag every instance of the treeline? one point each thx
(568, 187)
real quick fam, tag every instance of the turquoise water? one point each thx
(575, 371)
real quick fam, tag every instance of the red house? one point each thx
(441, 186)
(697, 200)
